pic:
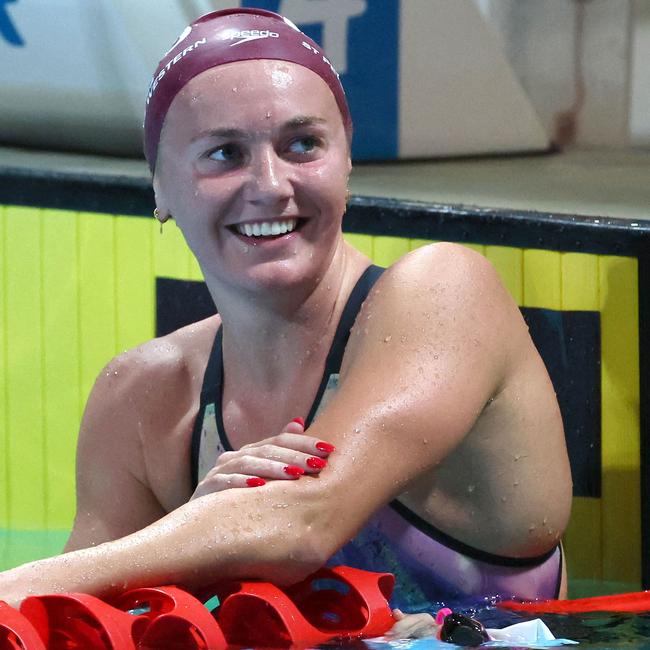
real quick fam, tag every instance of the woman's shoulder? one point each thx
(448, 274)
(162, 361)
(442, 259)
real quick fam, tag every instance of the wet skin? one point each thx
(443, 402)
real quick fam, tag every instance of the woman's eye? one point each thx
(225, 153)
(303, 145)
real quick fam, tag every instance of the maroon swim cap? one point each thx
(224, 37)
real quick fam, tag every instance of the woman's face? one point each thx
(253, 164)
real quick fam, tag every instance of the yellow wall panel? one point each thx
(620, 419)
(134, 282)
(387, 250)
(363, 243)
(170, 251)
(583, 539)
(542, 279)
(96, 296)
(77, 288)
(61, 367)
(418, 243)
(580, 282)
(25, 444)
(4, 415)
(479, 248)
(509, 264)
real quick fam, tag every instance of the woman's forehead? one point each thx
(233, 89)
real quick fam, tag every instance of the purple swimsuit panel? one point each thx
(428, 571)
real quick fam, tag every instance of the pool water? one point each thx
(593, 631)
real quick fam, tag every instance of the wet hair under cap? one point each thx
(225, 37)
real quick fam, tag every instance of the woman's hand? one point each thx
(412, 626)
(288, 455)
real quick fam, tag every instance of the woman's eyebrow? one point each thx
(303, 120)
(227, 132)
(220, 133)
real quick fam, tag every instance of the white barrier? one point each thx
(424, 77)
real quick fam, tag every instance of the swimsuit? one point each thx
(429, 565)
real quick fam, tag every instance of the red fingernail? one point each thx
(316, 463)
(300, 421)
(325, 446)
(255, 481)
(292, 470)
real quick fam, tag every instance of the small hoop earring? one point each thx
(161, 219)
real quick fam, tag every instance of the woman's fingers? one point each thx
(298, 442)
(269, 461)
(220, 482)
(413, 626)
(297, 425)
(287, 456)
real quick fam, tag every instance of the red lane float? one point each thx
(16, 632)
(634, 602)
(339, 603)
(330, 604)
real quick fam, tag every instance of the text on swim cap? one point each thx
(247, 35)
(156, 80)
(313, 50)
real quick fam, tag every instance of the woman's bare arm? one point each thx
(425, 354)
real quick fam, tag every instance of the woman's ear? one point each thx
(161, 212)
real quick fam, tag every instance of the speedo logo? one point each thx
(247, 35)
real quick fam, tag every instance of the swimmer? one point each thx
(332, 412)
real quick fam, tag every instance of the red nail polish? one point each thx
(255, 481)
(293, 470)
(316, 463)
(325, 446)
(300, 421)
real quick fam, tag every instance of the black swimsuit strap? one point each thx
(335, 357)
(212, 387)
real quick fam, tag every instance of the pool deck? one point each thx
(585, 182)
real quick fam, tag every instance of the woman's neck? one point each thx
(270, 341)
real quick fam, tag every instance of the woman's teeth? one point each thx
(265, 228)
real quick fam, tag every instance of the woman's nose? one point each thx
(270, 178)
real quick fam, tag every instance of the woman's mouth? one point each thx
(265, 228)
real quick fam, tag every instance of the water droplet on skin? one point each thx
(268, 115)
(357, 430)
(503, 499)
(531, 528)
(435, 356)
(425, 441)
(517, 457)
(471, 487)
(515, 484)
(545, 521)
(386, 340)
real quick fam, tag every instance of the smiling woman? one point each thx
(331, 412)
(229, 187)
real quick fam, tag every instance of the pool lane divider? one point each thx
(635, 602)
(331, 604)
